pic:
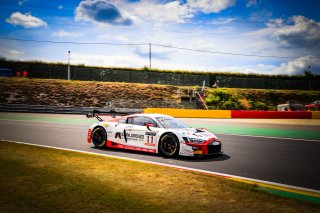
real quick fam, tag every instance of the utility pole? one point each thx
(309, 75)
(69, 65)
(150, 55)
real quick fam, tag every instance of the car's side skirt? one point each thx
(112, 144)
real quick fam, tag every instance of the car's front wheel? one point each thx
(169, 145)
(99, 137)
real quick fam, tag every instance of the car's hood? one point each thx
(196, 133)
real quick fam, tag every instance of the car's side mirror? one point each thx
(148, 126)
(89, 115)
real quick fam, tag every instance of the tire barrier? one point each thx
(315, 114)
(271, 114)
(192, 113)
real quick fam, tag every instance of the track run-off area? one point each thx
(280, 151)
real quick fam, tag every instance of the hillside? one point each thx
(113, 94)
(85, 93)
(256, 99)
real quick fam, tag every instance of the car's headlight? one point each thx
(192, 140)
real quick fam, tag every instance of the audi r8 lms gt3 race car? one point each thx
(155, 133)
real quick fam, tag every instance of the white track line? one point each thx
(174, 166)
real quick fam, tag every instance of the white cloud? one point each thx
(11, 53)
(261, 16)
(251, 3)
(152, 10)
(104, 36)
(101, 11)
(21, 2)
(25, 20)
(121, 38)
(157, 53)
(222, 21)
(303, 33)
(107, 60)
(249, 69)
(60, 7)
(293, 67)
(63, 33)
(298, 32)
(211, 6)
(107, 37)
(297, 66)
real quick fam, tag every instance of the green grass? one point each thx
(35, 179)
(256, 99)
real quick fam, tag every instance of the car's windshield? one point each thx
(171, 123)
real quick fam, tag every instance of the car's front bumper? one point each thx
(210, 147)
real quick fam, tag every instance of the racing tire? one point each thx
(99, 137)
(169, 145)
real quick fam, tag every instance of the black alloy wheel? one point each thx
(169, 145)
(99, 137)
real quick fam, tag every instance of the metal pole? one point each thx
(69, 65)
(203, 85)
(150, 55)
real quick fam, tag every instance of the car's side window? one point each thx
(122, 120)
(130, 120)
(142, 121)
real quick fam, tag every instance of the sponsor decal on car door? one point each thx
(118, 134)
(140, 136)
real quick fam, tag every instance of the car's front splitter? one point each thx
(209, 147)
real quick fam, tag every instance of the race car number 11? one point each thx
(149, 139)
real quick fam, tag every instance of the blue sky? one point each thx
(246, 36)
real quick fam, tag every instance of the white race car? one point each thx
(154, 133)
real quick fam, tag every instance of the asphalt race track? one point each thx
(287, 161)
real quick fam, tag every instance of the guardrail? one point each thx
(60, 110)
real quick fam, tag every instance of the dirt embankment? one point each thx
(85, 93)
(129, 95)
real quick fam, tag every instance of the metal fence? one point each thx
(42, 70)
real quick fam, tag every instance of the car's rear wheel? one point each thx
(99, 137)
(169, 145)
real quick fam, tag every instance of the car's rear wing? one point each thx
(112, 113)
